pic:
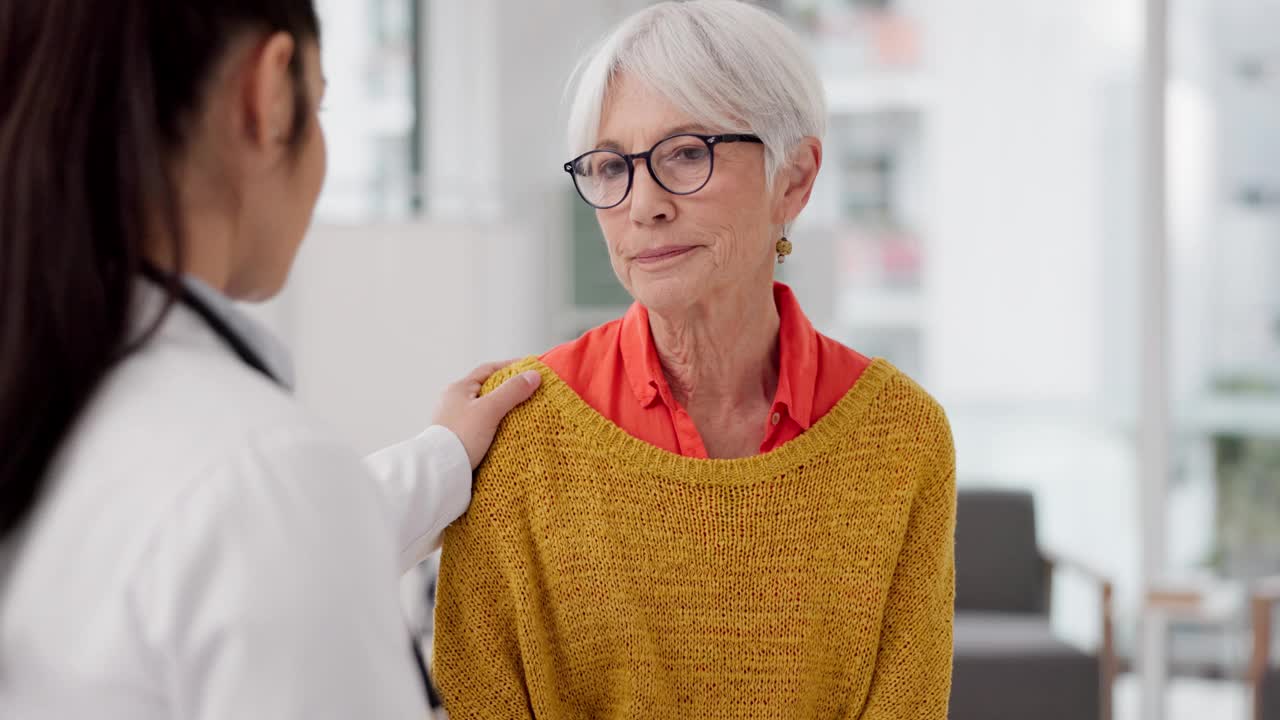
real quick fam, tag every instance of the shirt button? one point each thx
(777, 418)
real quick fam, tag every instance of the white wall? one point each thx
(381, 317)
(1019, 179)
(1032, 266)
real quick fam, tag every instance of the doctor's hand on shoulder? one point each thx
(475, 419)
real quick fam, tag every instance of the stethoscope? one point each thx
(212, 319)
(248, 356)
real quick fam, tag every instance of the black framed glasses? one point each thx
(681, 164)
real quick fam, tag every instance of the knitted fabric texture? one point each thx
(596, 576)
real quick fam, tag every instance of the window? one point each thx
(373, 112)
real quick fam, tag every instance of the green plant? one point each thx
(1247, 540)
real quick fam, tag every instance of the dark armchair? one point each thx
(1008, 663)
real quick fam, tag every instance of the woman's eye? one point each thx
(689, 153)
(613, 168)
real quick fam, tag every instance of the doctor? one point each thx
(178, 539)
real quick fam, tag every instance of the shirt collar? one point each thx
(797, 358)
(640, 356)
(797, 363)
(265, 345)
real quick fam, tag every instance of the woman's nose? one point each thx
(650, 203)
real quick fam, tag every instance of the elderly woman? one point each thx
(709, 509)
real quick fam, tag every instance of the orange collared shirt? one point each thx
(616, 370)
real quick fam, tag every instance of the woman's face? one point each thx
(675, 252)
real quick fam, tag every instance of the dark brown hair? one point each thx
(95, 99)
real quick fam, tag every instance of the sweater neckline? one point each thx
(837, 425)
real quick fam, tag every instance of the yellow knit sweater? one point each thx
(596, 576)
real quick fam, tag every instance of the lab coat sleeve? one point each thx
(271, 591)
(425, 484)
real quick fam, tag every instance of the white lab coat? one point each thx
(205, 549)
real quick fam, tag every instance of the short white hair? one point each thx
(727, 64)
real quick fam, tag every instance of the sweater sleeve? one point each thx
(477, 665)
(912, 678)
(477, 662)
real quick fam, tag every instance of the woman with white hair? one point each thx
(709, 509)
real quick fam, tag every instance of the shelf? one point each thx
(1228, 415)
(385, 117)
(864, 93)
(881, 308)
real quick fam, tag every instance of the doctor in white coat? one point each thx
(178, 539)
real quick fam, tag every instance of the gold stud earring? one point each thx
(784, 249)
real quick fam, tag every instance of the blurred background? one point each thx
(983, 220)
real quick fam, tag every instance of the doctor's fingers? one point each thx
(510, 394)
(476, 378)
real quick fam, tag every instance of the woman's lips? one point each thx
(661, 254)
